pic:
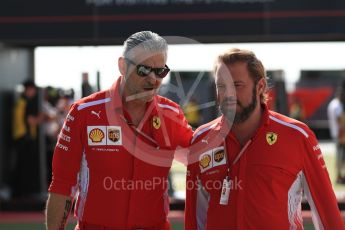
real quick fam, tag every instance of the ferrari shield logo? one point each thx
(156, 122)
(271, 138)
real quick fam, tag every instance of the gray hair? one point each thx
(147, 41)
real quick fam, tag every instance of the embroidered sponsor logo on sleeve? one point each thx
(64, 137)
(321, 160)
(212, 158)
(61, 146)
(66, 128)
(69, 118)
(318, 154)
(316, 147)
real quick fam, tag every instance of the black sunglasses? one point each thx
(144, 70)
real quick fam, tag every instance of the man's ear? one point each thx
(122, 66)
(261, 86)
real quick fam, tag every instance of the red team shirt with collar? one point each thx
(117, 172)
(281, 162)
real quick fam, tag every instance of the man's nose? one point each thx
(230, 92)
(152, 78)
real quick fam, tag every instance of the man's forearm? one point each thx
(58, 209)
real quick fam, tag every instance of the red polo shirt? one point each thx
(280, 164)
(118, 172)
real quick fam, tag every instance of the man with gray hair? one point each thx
(116, 147)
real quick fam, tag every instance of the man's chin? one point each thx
(147, 98)
(229, 115)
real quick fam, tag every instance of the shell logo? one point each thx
(96, 135)
(205, 161)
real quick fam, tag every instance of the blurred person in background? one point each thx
(26, 120)
(296, 109)
(51, 125)
(192, 113)
(64, 103)
(86, 88)
(336, 121)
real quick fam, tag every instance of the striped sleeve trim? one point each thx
(290, 125)
(92, 103)
(201, 131)
(168, 107)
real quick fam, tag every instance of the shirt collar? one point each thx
(115, 94)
